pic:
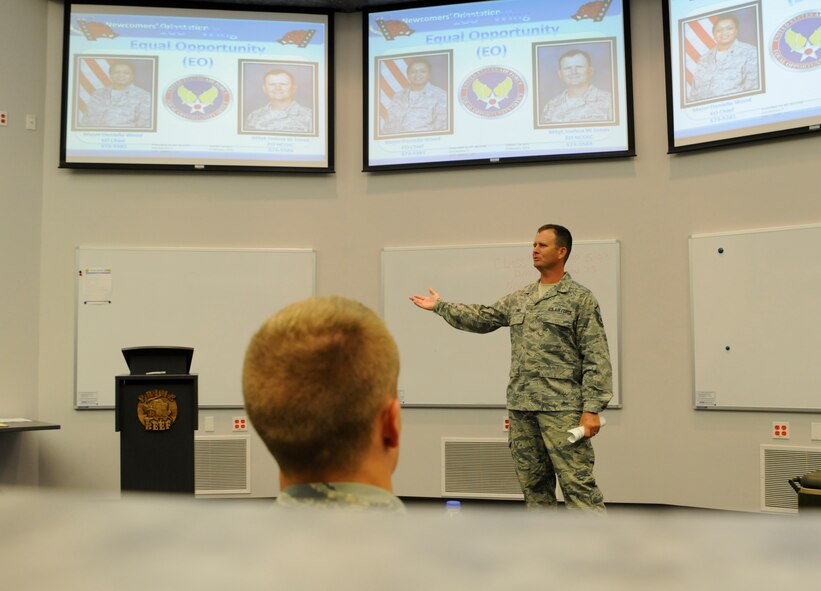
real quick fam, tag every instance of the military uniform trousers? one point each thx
(542, 455)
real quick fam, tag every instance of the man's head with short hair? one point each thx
(576, 70)
(320, 386)
(279, 86)
(575, 52)
(564, 239)
(279, 72)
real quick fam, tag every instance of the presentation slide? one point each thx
(195, 88)
(496, 81)
(741, 70)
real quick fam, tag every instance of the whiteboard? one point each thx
(213, 300)
(756, 307)
(443, 366)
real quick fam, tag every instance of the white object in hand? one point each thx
(577, 433)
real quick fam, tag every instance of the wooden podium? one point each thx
(156, 416)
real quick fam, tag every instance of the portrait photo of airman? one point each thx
(721, 55)
(114, 93)
(575, 83)
(413, 95)
(278, 98)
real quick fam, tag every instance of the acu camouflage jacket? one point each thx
(560, 360)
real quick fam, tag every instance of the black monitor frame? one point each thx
(672, 148)
(195, 166)
(368, 129)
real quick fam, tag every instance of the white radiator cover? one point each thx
(478, 468)
(222, 464)
(779, 463)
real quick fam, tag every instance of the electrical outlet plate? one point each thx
(781, 430)
(505, 424)
(240, 423)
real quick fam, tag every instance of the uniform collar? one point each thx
(561, 287)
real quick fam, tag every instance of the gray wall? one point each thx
(656, 449)
(22, 62)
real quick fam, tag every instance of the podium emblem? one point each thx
(157, 410)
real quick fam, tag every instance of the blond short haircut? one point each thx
(316, 375)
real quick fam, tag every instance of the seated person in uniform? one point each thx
(320, 386)
(282, 113)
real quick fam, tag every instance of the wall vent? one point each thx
(779, 463)
(480, 468)
(222, 464)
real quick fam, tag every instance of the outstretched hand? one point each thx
(426, 302)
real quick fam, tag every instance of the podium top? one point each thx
(161, 360)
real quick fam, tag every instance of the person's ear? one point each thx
(391, 423)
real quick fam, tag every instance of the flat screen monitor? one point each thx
(196, 88)
(741, 71)
(495, 82)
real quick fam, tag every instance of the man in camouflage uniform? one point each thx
(730, 68)
(121, 104)
(420, 107)
(560, 374)
(580, 102)
(320, 386)
(282, 113)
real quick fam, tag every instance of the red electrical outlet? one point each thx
(781, 430)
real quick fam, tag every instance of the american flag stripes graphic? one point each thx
(93, 75)
(698, 40)
(392, 79)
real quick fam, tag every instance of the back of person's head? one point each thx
(316, 376)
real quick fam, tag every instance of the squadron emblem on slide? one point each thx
(197, 98)
(390, 30)
(797, 43)
(592, 10)
(492, 92)
(300, 38)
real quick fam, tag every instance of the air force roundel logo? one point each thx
(197, 98)
(493, 91)
(797, 43)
